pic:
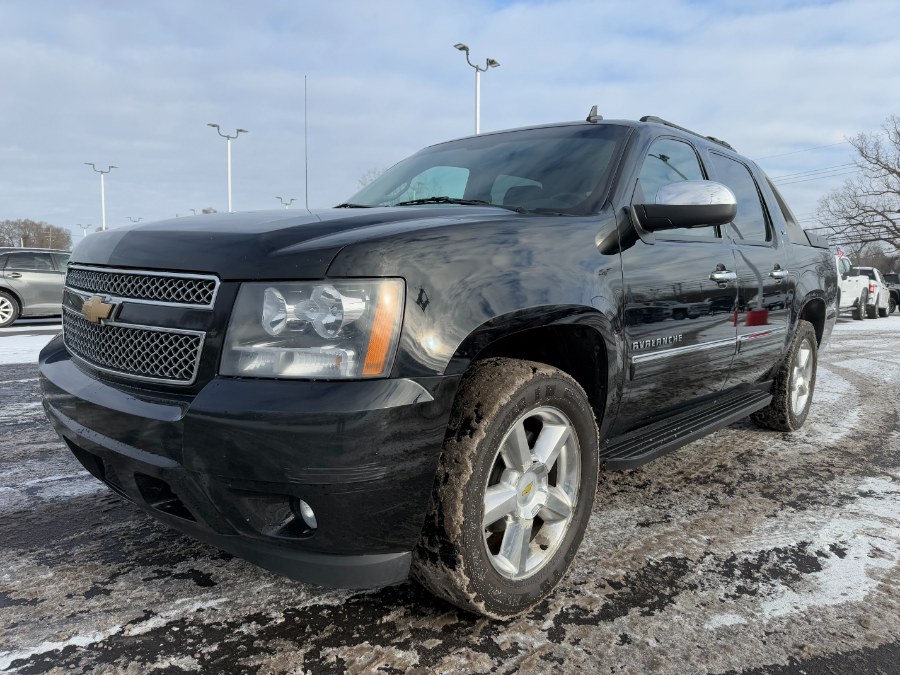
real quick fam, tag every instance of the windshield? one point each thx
(552, 170)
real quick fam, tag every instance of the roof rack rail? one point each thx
(660, 120)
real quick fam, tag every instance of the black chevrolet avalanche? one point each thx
(426, 379)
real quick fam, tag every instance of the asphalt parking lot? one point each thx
(747, 551)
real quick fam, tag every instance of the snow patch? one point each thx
(22, 348)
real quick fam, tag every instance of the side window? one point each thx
(30, 261)
(437, 181)
(750, 222)
(671, 161)
(796, 234)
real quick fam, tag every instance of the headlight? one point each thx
(345, 328)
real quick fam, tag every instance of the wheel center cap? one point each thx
(531, 494)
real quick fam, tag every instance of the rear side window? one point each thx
(892, 278)
(29, 261)
(62, 259)
(796, 234)
(750, 224)
(857, 272)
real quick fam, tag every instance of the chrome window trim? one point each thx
(688, 349)
(142, 378)
(146, 273)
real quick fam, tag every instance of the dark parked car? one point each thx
(31, 282)
(428, 377)
(892, 280)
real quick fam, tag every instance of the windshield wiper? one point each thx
(348, 205)
(444, 200)
(453, 200)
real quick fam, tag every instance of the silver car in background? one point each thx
(31, 282)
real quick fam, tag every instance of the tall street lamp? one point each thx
(286, 203)
(228, 140)
(489, 63)
(102, 191)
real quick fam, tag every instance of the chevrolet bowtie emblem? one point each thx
(95, 309)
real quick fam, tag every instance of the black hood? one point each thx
(261, 244)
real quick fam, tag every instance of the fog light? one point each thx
(308, 515)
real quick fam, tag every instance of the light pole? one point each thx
(228, 140)
(84, 229)
(489, 63)
(102, 191)
(286, 204)
(194, 211)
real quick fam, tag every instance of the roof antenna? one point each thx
(593, 116)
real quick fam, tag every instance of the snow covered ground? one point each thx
(23, 341)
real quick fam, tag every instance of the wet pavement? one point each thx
(747, 551)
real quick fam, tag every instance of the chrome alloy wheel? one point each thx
(6, 309)
(531, 492)
(801, 376)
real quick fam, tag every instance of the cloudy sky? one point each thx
(134, 84)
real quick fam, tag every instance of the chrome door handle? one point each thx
(779, 273)
(722, 276)
(13, 275)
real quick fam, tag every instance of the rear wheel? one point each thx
(872, 310)
(892, 305)
(514, 489)
(794, 384)
(859, 312)
(9, 309)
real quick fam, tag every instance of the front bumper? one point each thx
(229, 465)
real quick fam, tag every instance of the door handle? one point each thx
(722, 276)
(13, 275)
(779, 273)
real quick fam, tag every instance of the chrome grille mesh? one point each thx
(137, 352)
(163, 288)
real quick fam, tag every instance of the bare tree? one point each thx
(866, 208)
(369, 176)
(34, 234)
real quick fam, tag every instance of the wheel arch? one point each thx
(815, 311)
(577, 340)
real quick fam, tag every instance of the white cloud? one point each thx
(135, 84)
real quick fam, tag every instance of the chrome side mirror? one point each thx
(689, 203)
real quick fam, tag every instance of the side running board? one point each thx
(638, 447)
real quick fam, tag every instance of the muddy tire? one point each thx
(9, 309)
(795, 381)
(859, 312)
(513, 491)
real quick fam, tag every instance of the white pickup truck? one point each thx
(863, 291)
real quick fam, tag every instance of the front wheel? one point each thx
(795, 381)
(514, 489)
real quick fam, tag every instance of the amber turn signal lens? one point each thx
(386, 323)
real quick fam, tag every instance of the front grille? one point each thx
(138, 352)
(178, 289)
